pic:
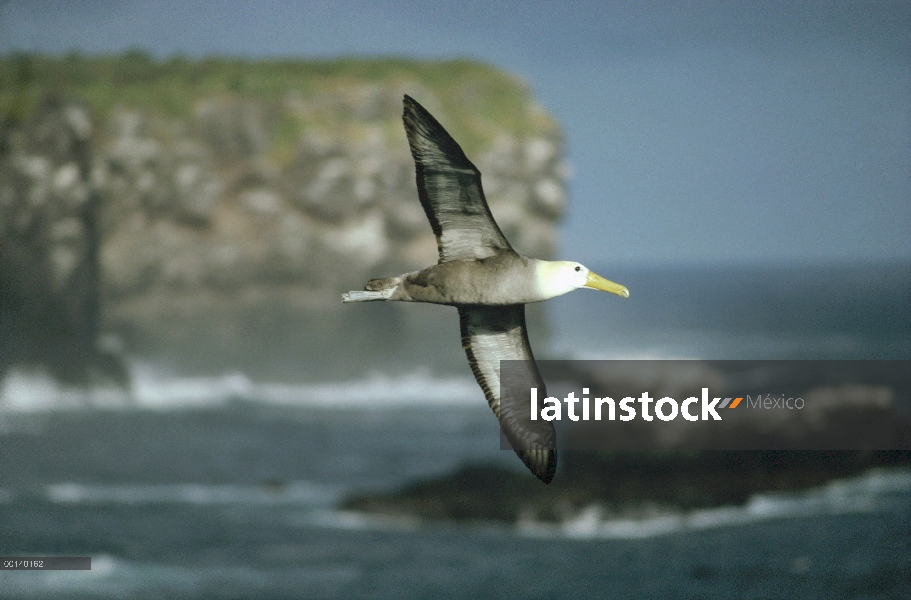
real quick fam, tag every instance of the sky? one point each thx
(698, 132)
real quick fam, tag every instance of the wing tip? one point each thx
(413, 106)
(414, 115)
(542, 462)
(427, 137)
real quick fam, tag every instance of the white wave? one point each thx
(874, 491)
(378, 391)
(355, 521)
(153, 388)
(293, 493)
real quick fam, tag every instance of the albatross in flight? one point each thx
(484, 278)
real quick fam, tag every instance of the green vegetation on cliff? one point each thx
(478, 101)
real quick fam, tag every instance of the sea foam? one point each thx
(874, 491)
(152, 388)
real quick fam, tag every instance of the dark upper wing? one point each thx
(494, 333)
(450, 190)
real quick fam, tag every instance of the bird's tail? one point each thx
(376, 289)
(367, 296)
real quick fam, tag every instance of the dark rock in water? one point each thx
(481, 492)
(628, 485)
(656, 469)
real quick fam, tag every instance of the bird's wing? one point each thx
(494, 333)
(450, 190)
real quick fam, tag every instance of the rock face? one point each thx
(226, 234)
(49, 290)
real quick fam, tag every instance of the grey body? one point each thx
(480, 274)
(499, 280)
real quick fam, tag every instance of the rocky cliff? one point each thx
(211, 213)
(49, 270)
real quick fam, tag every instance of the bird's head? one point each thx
(556, 278)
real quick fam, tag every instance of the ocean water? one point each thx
(221, 487)
(839, 312)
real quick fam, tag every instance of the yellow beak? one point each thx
(599, 283)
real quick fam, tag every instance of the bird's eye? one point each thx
(578, 268)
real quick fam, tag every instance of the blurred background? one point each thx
(187, 189)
